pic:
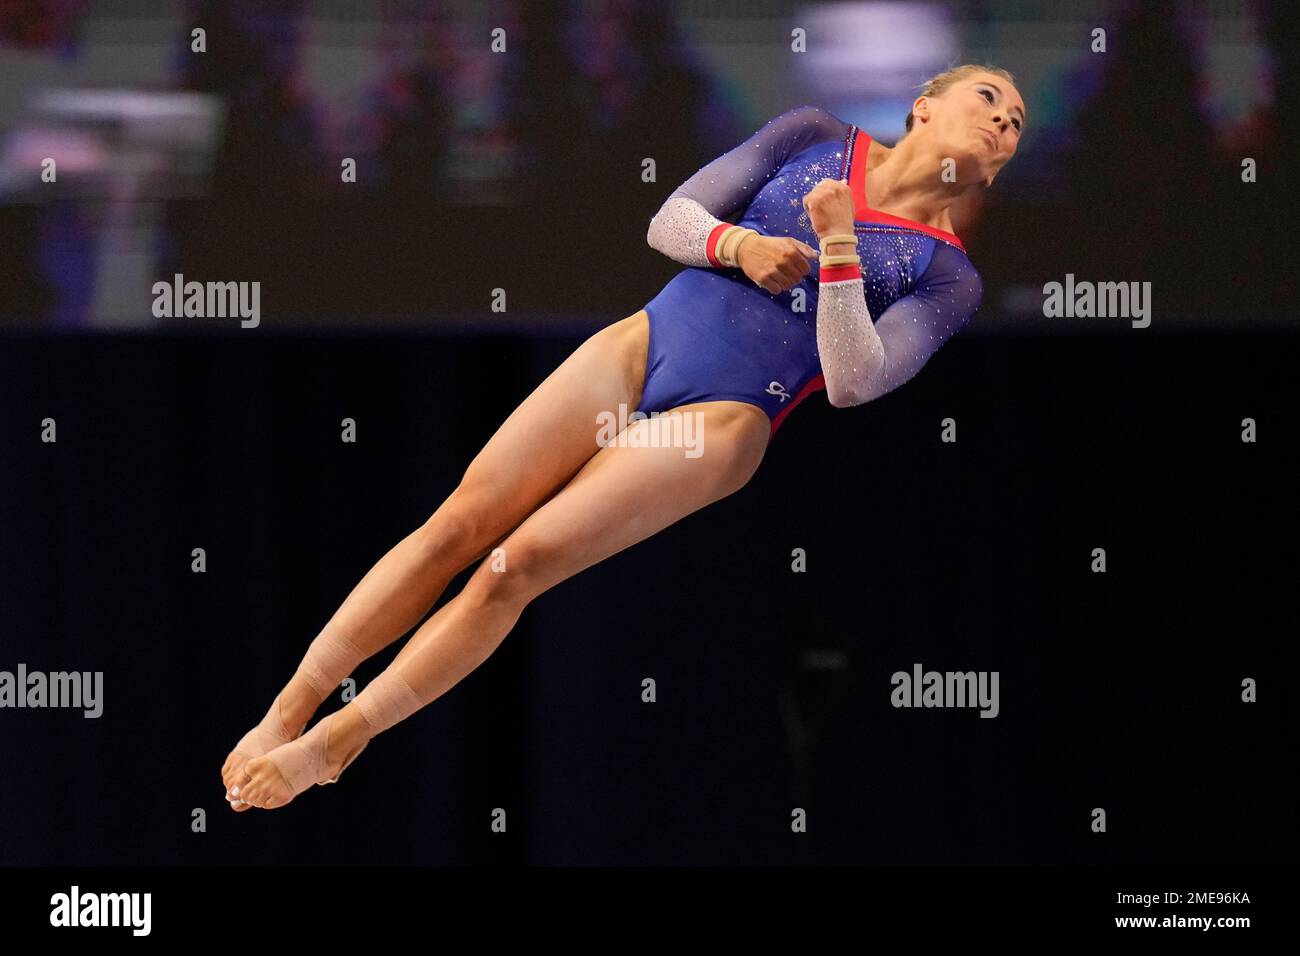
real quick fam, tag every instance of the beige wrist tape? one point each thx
(729, 244)
(847, 260)
(837, 237)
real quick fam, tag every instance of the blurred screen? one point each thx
(381, 165)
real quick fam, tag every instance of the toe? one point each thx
(239, 787)
(230, 771)
(239, 806)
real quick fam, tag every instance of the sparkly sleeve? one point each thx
(861, 359)
(689, 223)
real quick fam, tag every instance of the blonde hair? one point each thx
(941, 81)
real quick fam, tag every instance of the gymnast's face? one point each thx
(978, 119)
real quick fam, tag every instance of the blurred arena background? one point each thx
(478, 170)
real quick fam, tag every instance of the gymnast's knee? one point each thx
(512, 575)
(457, 528)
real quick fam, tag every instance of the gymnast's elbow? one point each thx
(845, 396)
(845, 391)
(672, 225)
(658, 231)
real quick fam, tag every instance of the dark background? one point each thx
(1118, 690)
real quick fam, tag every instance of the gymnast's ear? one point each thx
(921, 108)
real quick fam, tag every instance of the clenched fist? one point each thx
(775, 263)
(830, 207)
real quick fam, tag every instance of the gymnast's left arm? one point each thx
(863, 359)
(693, 218)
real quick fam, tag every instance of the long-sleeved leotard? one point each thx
(715, 335)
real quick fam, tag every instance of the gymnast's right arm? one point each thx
(688, 225)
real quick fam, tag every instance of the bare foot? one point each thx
(283, 722)
(317, 757)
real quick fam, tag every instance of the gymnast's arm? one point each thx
(861, 359)
(694, 214)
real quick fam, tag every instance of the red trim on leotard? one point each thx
(816, 384)
(864, 213)
(711, 243)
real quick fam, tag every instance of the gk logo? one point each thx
(776, 388)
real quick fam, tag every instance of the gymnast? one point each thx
(757, 322)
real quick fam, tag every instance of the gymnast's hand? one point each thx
(830, 209)
(776, 263)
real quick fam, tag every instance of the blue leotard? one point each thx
(716, 335)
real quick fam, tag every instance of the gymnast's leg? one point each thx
(621, 496)
(539, 447)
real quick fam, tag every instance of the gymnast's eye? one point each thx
(987, 94)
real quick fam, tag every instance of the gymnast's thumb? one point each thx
(808, 250)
